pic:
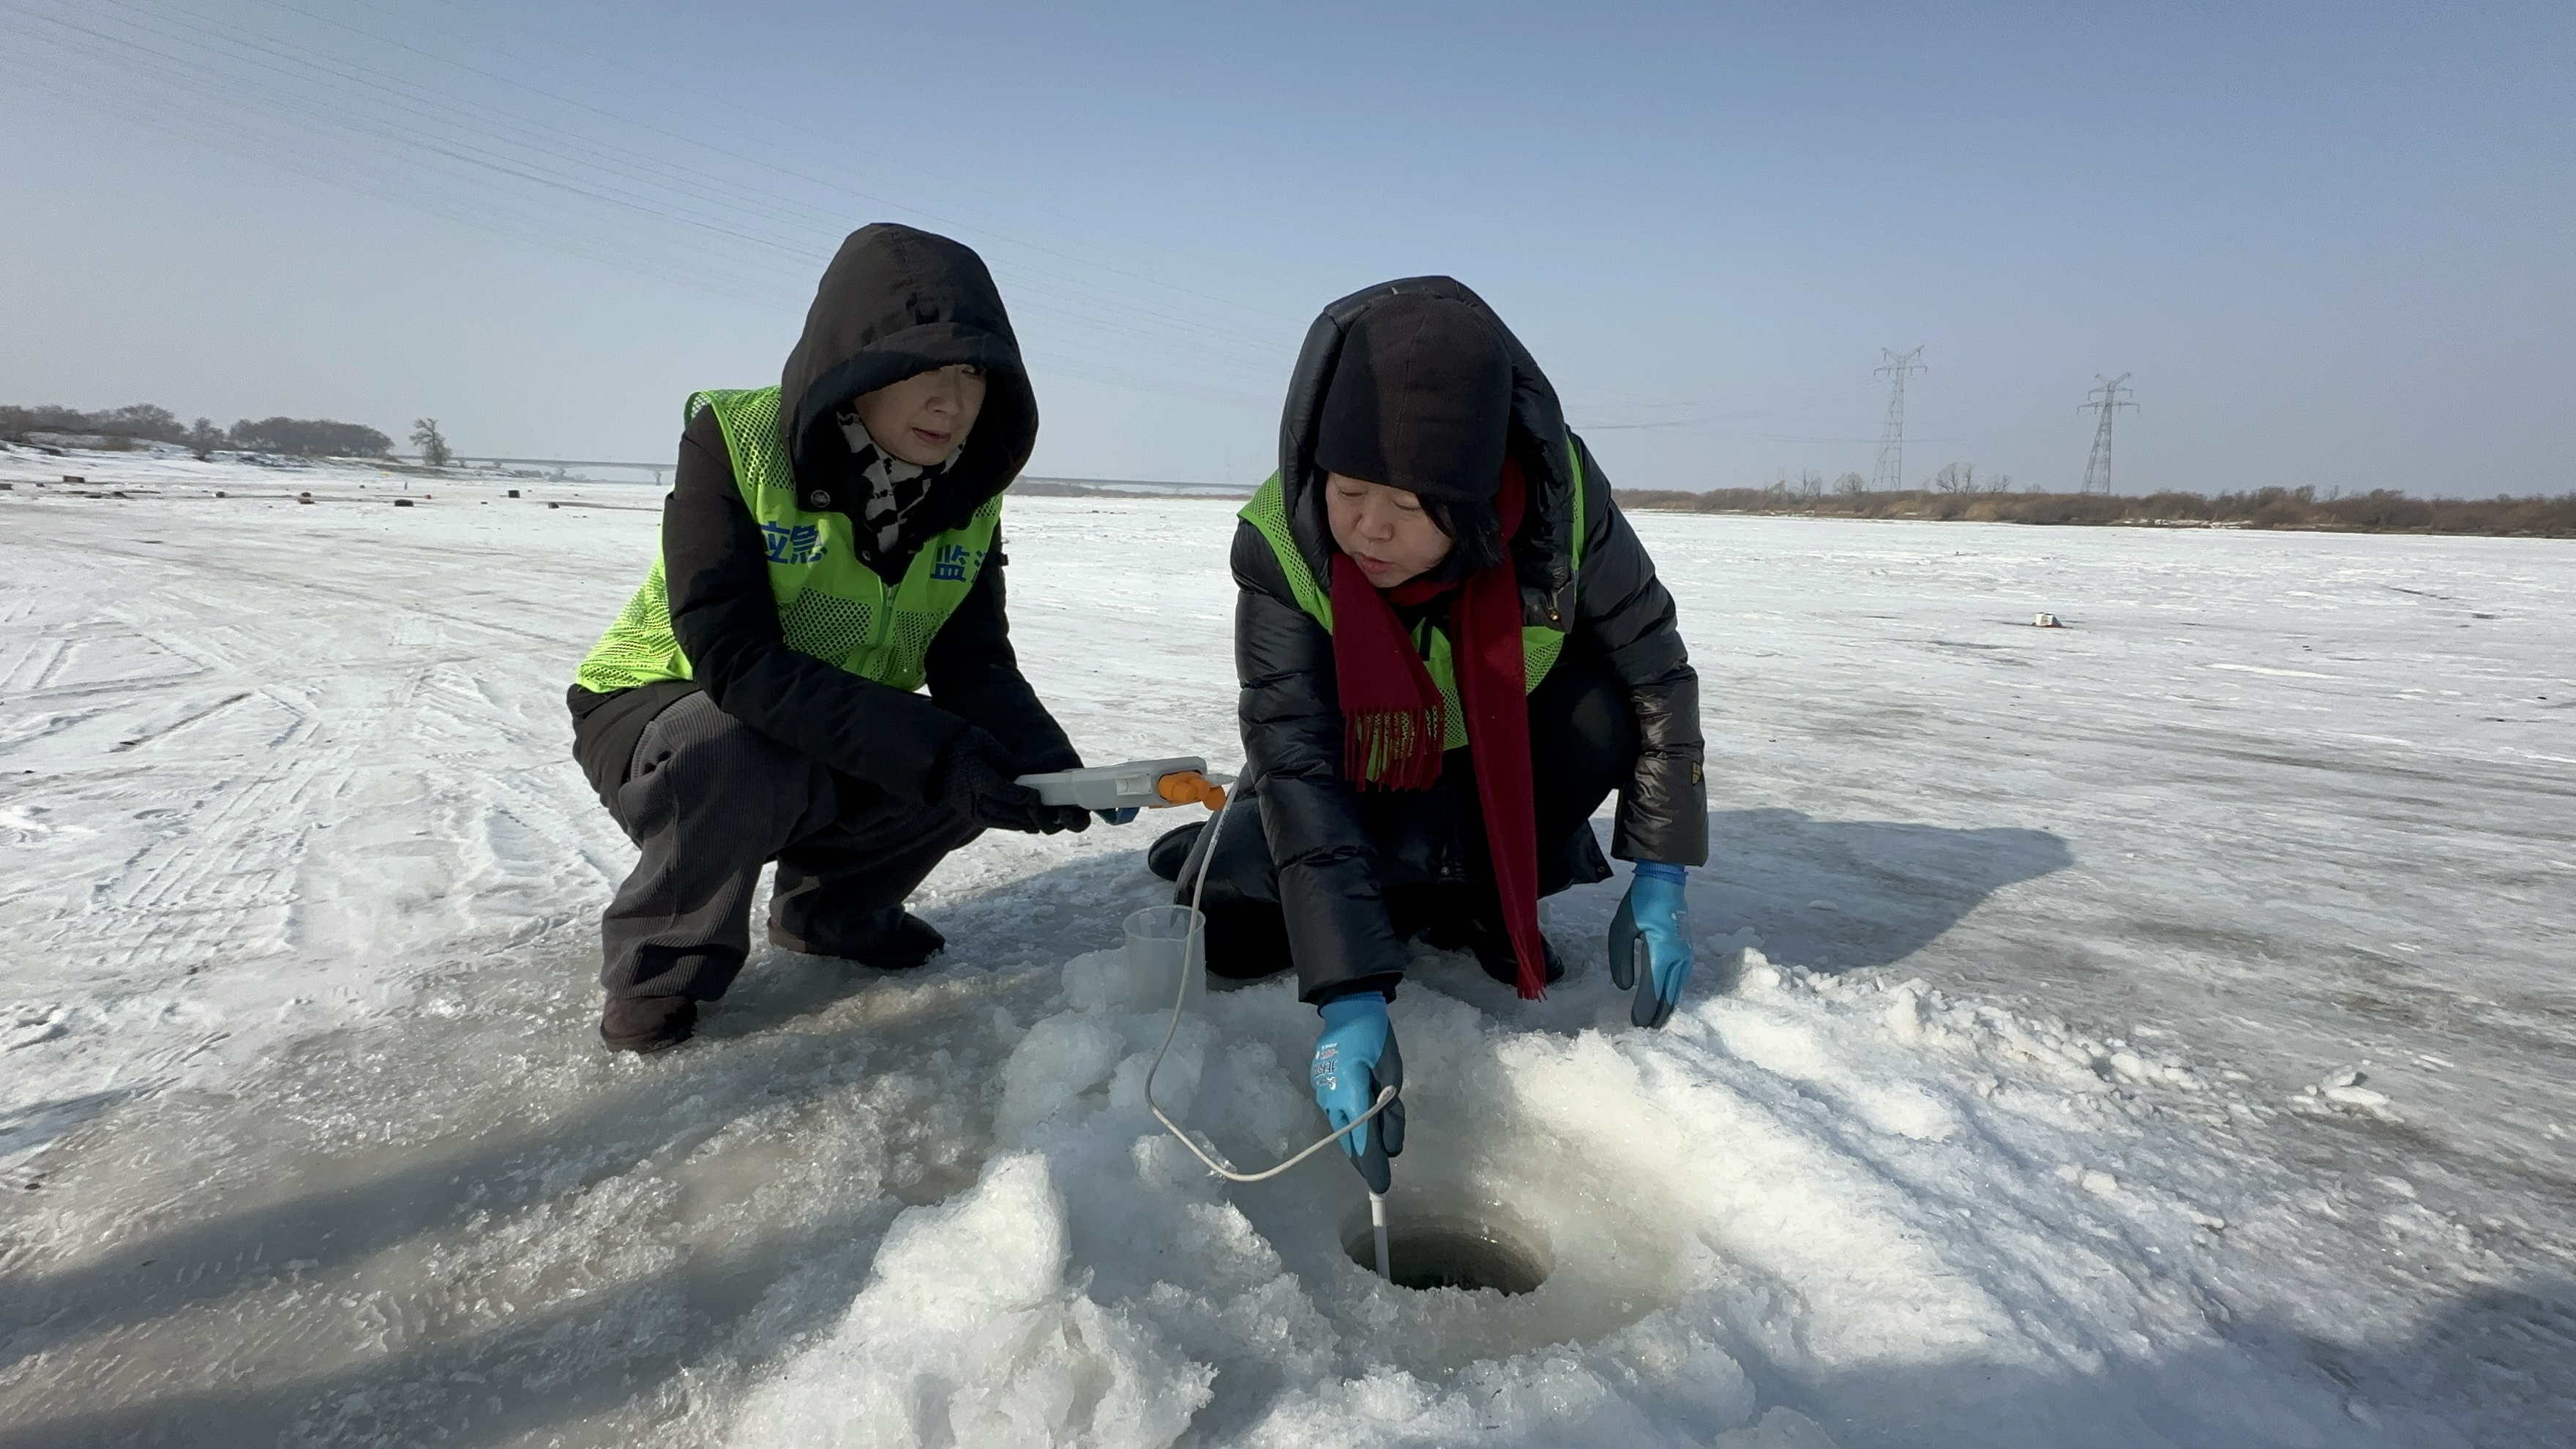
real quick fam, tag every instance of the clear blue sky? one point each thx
(2331, 242)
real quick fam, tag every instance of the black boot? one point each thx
(646, 1023)
(1246, 943)
(1492, 944)
(1171, 851)
(1494, 952)
(911, 942)
(893, 939)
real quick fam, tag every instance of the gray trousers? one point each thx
(711, 800)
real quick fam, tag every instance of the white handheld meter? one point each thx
(1138, 784)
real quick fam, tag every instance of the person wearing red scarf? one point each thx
(1433, 515)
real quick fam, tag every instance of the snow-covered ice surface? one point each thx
(2150, 1032)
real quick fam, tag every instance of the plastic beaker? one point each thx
(1166, 945)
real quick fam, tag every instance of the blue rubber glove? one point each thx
(1652, 930)
(1355, 1058)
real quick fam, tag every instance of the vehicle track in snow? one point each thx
(276, 733)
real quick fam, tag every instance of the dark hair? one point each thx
(1474, 530)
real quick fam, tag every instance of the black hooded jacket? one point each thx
(894, 302)
(1326, 844)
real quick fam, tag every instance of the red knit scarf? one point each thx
(1394, 721)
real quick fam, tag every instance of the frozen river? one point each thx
(2153, 1031)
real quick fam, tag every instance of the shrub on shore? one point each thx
(126, 426)
(2379, 511)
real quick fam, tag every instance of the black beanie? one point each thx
(1421, 400)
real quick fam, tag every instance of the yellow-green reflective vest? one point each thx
(830, 605)
(1268, 512)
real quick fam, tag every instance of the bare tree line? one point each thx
(1958, 496)
(143, 422)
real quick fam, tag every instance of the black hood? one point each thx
(895, 302)
(1543, 552)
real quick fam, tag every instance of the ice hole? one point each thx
(1425, 1252)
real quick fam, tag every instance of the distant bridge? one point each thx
(656, 469)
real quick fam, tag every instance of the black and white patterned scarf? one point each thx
(894, 486)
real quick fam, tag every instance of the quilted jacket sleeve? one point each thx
(1625, 617)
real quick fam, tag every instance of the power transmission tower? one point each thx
(2106, 399)
(1891, 442)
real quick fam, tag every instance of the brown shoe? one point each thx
(646, 1023)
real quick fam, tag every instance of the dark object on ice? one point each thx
(402, 503)
(647, 1023)
(554, 505)
(75, 478)
(12, 488)
(897, 940)
(118, 493)
(219, 493)
(1442, 1252)
(514, 492)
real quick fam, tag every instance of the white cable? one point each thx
(1180, 995)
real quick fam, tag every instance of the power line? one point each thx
(2107, 399)
(764, 144)
(1891, 441)
(597, 186)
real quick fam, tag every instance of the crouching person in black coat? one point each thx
(830, 545)
(1452, 649)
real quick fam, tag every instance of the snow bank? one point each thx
(969, 1334)
(1849, 1192)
